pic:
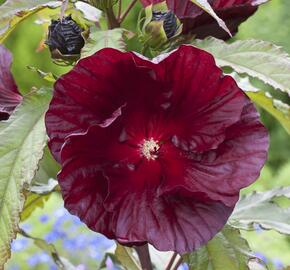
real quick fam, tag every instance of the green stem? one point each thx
(112, 21)
(172, 260)
(144, 257)
(179, 262)
(126, 12)
(119, 10)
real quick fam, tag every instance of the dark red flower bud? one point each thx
(65, 37)
(196, 21)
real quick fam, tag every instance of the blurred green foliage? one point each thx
(272, 23)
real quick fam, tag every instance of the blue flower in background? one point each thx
(184, 266)
(14, 267)
(110, 265)
(258, 228)
(76, 220)
(55, 235)
(53, 267)
(81, 267)
(26, 227)
(261, 256)
(69, 244)
(44, 258)
(19, 244)
(278, 264)
(38, 258)
(44, 218)
(101, 241)
(33, 260)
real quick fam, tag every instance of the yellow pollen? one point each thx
(149, 149)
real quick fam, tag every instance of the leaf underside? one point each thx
(23, 138)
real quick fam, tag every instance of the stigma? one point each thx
(149, 149)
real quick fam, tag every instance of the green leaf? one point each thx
(125, 256)
(259, 59)
(47, 169)
(43, 185)
(203, 4)
(61, 262)
(280, 110)
(261, 208)
(277, 108)
(100, 39)
(227, 250)
(113, 258)
(13, 12)
(23, 138)
(37, 196)
(89, 12)
(47, 76)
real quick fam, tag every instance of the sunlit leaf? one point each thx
(47, 76)
(14, 11)
(277, 108)
(280, 110)
(47, 169)
(23, 138)
(43, 185)
(227, 250)
(259, 59)
(100, 39)
(207, 8)
(125, 256)
(37, 196)
(90, 13)
(261, 208)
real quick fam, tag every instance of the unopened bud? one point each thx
(65, 38)
(160, 26)
(169, 22)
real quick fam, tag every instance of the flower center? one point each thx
(149, 149)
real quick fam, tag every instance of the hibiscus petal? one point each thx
(233, 14)
(199, 99)
(93, 92)
(125, 207)
(180, 224)
(9, 95)
(84, 189)
(221, 173)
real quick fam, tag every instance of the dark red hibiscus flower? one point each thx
(154, 151)
(9, 95)
(200, 23)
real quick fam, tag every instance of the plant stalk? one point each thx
(126, 12)
(119, 10)
(179, 262)
(112, 21)
(144, 257)
(172, 260)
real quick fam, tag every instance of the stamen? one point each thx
(149, 149)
